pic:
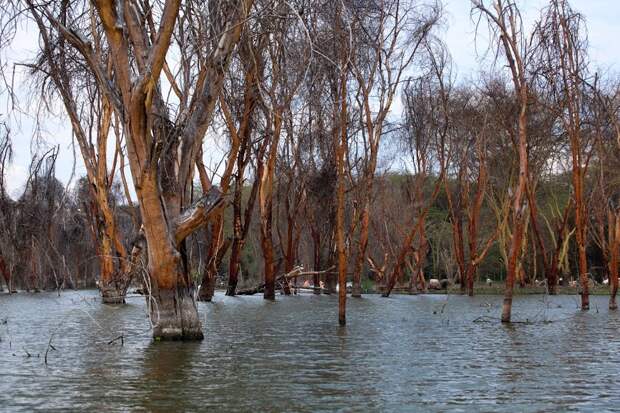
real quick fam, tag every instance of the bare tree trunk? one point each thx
(518, 213)
(613, 261)
(580, 234)
(408, 241)
(173, 311)
(471, 272)
(341, 142)
(111, 291)
(356, 290)
(235, 256)
(269, 270)
(266, 207)
(7, 276)
(209, 276)
(316, 244)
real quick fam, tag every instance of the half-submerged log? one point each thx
(283, 281)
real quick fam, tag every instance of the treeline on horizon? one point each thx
(511, 176)
(51, 239)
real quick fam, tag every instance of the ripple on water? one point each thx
(395, 354)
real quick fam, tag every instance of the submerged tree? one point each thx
(6, 207)
(563, 45)
(388, 37)
(506, 28)
(125, 48)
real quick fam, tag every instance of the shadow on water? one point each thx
(165, 370)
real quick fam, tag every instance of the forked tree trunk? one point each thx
(162, 155)
(172, 307)
(173, 311)
(408, 241)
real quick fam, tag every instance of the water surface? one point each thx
(405, 353)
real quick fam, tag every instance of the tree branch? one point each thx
(197, 214)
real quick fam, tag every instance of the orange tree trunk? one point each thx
(471, 273)
(173, 311)
(518, 214)
(111, 291)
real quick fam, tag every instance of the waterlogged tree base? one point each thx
(231, 290)
(206, 291)
(585, 301)
(175, 318)
(112, 296)
(506, 310)
(356, 291)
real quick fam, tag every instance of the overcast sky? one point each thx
(603, 32)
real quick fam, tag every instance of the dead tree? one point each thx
(6, 206)
(125, 47)
(425, 129)
(505, 26)
(387, 39)
(287, 57)
(563, 44)
(469, 156)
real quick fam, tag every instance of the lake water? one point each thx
(405, 353)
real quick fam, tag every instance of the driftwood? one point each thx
(284, 281)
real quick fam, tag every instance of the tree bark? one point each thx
(518, 212)
(356, 290)
(209, 276)
(613, 261)
(6, 274)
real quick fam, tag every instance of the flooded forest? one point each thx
(300, 185)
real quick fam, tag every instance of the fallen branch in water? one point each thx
(284, 279)
(49, 346)
(121, 337)
(485, 319)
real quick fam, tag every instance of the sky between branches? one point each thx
(467, 51)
